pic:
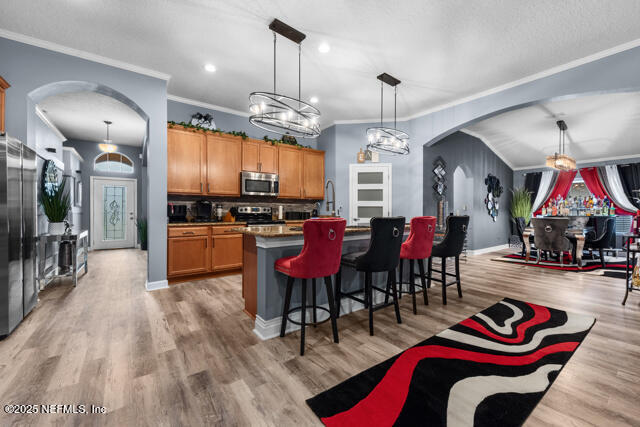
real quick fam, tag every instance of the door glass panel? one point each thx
(114, 205)
(370, 211)
(370, 177)
(370, 195)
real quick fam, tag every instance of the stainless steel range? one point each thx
(256, 215)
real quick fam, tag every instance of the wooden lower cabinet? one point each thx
(226, 252)
(198, 251)
(188, 255)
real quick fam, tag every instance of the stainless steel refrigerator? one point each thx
(18, 216)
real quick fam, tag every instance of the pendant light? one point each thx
(561, 160)
(283, 114)
(108, 147)
(383, 139)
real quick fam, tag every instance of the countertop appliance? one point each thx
(260, 184)
(297, 215)
(18, 223)
(254, 215)
(203, 211)
(177, 213)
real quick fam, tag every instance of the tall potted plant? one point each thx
(521, 208)
(141, 225)
(56, 204)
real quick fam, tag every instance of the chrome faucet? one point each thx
(331, 202)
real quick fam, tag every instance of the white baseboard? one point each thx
(487, 250)
(159, 284)
(267, 329)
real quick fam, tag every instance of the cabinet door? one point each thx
(188, 255)
(224, 163)
(268, 158)
(290, 171)
(186, 153)
(250, 156)
(227, 252)
(313, 172)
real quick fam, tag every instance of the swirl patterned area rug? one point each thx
(490, 369)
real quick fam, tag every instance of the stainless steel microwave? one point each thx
(260, 184)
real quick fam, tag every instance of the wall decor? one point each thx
(50, 178)
(494, 191)
(439, 177)
(203, 120)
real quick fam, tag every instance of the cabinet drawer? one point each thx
(218, 230)
(188, 231)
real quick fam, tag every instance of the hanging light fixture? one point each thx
(561, 160)
(108, 146)
(383, 139)
(283, 114)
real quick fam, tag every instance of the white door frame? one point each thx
(91, 211)
(353, 167)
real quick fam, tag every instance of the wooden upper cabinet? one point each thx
(224, 163)
(313, 174)
(268, 158)
(259, 156)
(186, 161)
(250, 155)
(290, 172)
(3, 86)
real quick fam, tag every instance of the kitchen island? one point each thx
(263, 288)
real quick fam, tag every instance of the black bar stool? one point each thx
(383, 255)
(450, 247)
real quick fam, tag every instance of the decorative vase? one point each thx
(56, 228)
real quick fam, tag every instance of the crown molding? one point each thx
(50, 125)
(82, 54)
(207, 105)
(546, 73)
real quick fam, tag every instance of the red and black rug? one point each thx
(490, 369)
(611, 263)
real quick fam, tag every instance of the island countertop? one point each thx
(275, 231)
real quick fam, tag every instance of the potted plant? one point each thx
(56, 203)
(521, 208)
(141, 225)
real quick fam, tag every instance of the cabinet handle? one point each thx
(201, 187)
(187, 232)
(259, 167)
(206, 243)
(208, 188)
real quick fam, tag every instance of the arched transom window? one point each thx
(113, 162)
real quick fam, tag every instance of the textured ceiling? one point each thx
(81, 116)
(599, 127)
(441, 50)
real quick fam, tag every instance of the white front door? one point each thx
(369, 192)
(113, 213)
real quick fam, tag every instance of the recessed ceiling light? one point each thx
(314, 99)
(324, 47)
(210, 68)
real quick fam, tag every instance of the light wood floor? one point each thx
(187, 355)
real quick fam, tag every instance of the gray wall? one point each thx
(28, 68)
(477, 161)
(89, 150)
(181, 112)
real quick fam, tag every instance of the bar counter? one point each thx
(263, 288)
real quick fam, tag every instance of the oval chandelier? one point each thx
(283, 114)
(383, 139)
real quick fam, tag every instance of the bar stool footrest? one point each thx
(308, 323)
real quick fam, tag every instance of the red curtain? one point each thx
(592, 181)
(562, 187)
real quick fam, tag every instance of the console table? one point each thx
(632, 251)
(78, 241)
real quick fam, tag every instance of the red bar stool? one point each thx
(417, 247)
(320, 257)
